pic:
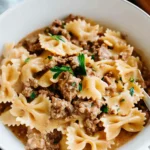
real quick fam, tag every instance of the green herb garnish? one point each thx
(80, 86)
(81, 69)
(92, 104)
(73, 84)
(59, 70)
(50, 57)
(122, 100)
(32, 96)
(104, 109)
(27, 60)
(131, 79)
(120, 78)
(102, 78)
(56, 37)
(131, 91)
(118, 109)
(93, 57)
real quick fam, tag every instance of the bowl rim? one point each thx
(9, 10)
(136, 8)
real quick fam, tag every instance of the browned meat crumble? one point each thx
(63, 95)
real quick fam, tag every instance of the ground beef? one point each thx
(60, 108)
(4, 106)
(33, 47)
(68, 85)
(46, 92)
(61, 60)
(103, 52)
(107, 79)
(58, 28)
(86, 45)
(50, 64)
(27, 91)
(89, 108)
(91, 72)
(38, 141)
(73, 61)
(58, 23)
(56, 61)
(54, 138)
(91, 126)
(75, 41)
(49, 92)
(72, 17)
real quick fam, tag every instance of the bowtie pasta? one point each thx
(73, 85)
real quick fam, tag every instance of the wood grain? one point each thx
(144, 4)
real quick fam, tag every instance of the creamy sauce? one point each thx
(123, 138)
(31, 37)
(21, 131)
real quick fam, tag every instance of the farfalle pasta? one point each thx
(82, 30)
(78, 139)
(122, 103)
(133, 122)
(30, 114)
(73, 86)
(33, 66)
(118, 45)
(127, 72)
(92, 87)
(61, 47)
(8, 119)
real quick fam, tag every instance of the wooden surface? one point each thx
(144, 4)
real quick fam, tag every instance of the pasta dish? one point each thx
(73, 85)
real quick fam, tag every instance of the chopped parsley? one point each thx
(102, 78)
(27, 60)
(131, 91)
(32, 96)
(92, 104)
(81, 69)
(122, 100)
(73, 84)
(132, 79)
(118, 109)
(56, 37)
(104, 109)
(93, 57)
(80, 86)
(120, 78)
(50, 57)
(58, 70)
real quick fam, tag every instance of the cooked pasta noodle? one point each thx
(72, 86)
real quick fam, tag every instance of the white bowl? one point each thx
(118, 14)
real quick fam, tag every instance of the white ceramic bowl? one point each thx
(118, 14)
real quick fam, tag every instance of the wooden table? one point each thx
(144, 4)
